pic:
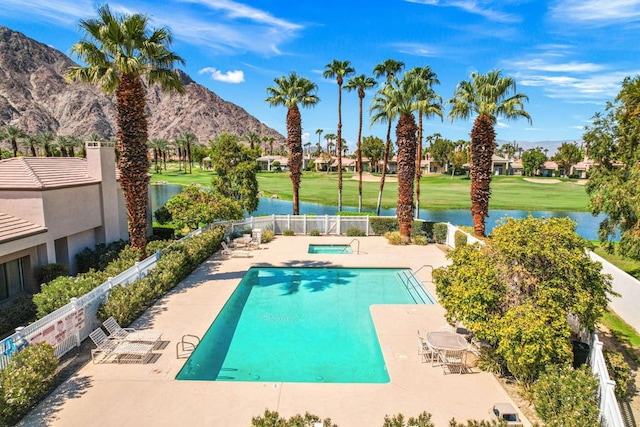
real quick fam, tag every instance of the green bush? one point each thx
(47, 273)
(18, 312)
(267, 236)
(163, 233)
(27, 378)
(394, 238)
(381, 225)
(314, 232)
(273, 419)
(352, 213)
(126, 303)
(491, 361)
(355, 232)
(288, 232)
(99, 257)
(162, 215)
(422, 228)
(420, 240)
(567, 397)
(620, 372)
(460, 238)
(440, 232)
(629, 246)
(423, 420)
(59, 292)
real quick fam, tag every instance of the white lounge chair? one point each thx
(109, 349)
(226, 251)
(130, 334)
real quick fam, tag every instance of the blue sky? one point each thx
(568, 56)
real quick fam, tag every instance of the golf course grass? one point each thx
(437, 191)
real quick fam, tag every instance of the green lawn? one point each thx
(627, 265)
(437, 191)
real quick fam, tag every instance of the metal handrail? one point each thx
(358, 248)
(182, 343)
(412, 283)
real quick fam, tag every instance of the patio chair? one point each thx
(226, 251)
(425, 351)
(109, 349)
(130, 334)
(453, 360)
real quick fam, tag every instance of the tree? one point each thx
(253, 139)
(489, 96)
(192, 207)
(187, 139)
(236, 172)
(330, 137)
(532, 161)
(156, 145)
(442, 150)
(569, 153)
(360, 84)
(29, 142)
(44, 140)
(119, 51)
(290, 91)
(373, 149)
(13, 133)
(614, 145)
(428, 104)
(516, 293)
(319, 133)
(387, 68)
(339, 70)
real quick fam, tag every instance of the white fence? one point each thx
(303, 224)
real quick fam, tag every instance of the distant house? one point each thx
(581, 169)
(266, 163)
(392, 165)
(51, 209)
(550, 168)
(499, 165)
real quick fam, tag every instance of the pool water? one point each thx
(299, 325)
(330, 249)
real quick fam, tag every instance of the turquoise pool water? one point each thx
(330, 249)
(299, 325)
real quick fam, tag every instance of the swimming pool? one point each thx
(299, 325)
(330, 249)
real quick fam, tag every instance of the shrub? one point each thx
(564, 396)
(314, 232)
(163, 233)
(381, 225)
(460, 238)
(288, 232)
(19, 311)
(629, 246)
(99, 257)
(355, 232)
(440, 232)
(47, 273)
(420, 240)
(423, 420)
(126, 303)
(273, 419)
(422, 228)
(267, 236)
(162, 215)
(620, 372)
(394, 238)
(59, 292)
(352, 213)
(490, 361)
(25, 381)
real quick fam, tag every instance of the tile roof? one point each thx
(38, 173)
(12, 228)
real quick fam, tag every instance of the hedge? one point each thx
(440, 232)
(19, 311)
(383, 225)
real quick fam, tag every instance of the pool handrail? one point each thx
(358, 247)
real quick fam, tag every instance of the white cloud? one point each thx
(570, 67)
(502, 125)
(415, 49)
(62, 12)
(236, 76)
(476, 7)
(596, 12)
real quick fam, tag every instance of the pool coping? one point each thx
(128, 395)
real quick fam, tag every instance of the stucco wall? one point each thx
(23, 204)
(72, 210)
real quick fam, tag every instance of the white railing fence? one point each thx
(304, 224)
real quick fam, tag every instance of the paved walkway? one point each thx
(140, 395)
(627, 305)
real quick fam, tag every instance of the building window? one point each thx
(11, 279)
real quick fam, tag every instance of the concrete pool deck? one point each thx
(147, 394)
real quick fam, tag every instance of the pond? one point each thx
(587, 224)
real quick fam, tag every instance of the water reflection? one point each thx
(587, 224)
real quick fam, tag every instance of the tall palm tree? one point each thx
(339, 70)
(12, 133)
(428, 103)
(489, 96)
(402, 97)
(188, 139)
(290, 91)
(44, 140)
(319, 133)
(29, 142)
(360, 83)
(121, 50)
(330, 137)
(382, 112)
(387, 69)
(156, 145)
(253, 139)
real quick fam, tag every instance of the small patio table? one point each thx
(242, 241)
(445, 340)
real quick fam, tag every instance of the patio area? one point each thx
(147, 394)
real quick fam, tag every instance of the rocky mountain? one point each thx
(35, 97)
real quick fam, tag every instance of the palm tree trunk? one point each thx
(406, 135)
(14, 146)
(385, 159)
(133, 162)
(482, 147)
(339, 146)
(294, 143)
(359, 157)
(418, 164)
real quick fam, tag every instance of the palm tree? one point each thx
(156, 145)
(119, 51)
(360, 83)
(330, 137)
(29, 142)
(290, 91)
(188, 139)
(402, 97)
(382, 112)
(489, 96)
(12, 133)
(44, 140)
(253, 139)
(387, 68)
(428, 103)
(319, 133)
(338, 70)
